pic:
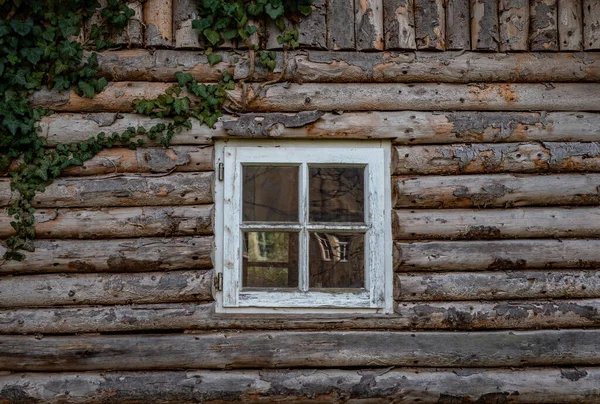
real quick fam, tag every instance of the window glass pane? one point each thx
(270, 193)
(270, 260)
(336, 260)
(336, 194)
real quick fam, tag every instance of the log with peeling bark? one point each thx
(133, 34)
(399, 24)
(403, 127)
(498, 255)
(510, 285)
(72, 289)
(117, 222)
(300, 349)
(319, 66)
(285, 97)
(158, 20)
(484, 25)
(514, 25)
(497, 158)
(145, 160)
(458, 34)
(496, 223)
(549, 385)
(570, 25)
(591, 24)
(340, 27)
(124, 255)
(74, 127)
(184, 35)
(368, 24)
(312, 29)
(430, 24)
(544, 30)
(496, 191)
(200, 316)
(125, 190)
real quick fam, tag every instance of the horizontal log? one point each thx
(73, 127)
(201, 316)
(511, 285)
(497, 223)
(497, 158)
(125, 255)
(300, 349)
(565, 385)
(496, 191)
(498, 254)
(126, 190)
(142, 287)
(117, 222)
(326, 67)
(121, 97)
(405, 127)
(548, 385)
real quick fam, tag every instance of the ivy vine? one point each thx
(39, 47)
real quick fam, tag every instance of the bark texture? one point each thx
(458, 34)
(591, 24)
(514, 25)
(484, 25)
(340, 32)
(368, 24)
(399, 24)
(544, 31)
(158, 18)
(430, 24)
(570, 25)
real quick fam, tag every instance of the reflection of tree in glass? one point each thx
(336, 194)
(270, 193)
(267, 246)
(336, 260)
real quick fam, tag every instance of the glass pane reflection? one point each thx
(270, 193)
(336, 260)
(270, 260)
(336, 194)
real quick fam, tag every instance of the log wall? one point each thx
(491, 108)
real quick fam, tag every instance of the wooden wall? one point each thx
(496, 176)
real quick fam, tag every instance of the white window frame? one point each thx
(373, 155)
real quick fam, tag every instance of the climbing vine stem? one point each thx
(39, 48)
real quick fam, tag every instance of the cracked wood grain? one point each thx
(543, 31)
(570, 25)
(591, 24)
(514, 25)
(430, 24)
(484, 25)
(158, 19)
(458, 34)
(368, 24)
(399, 24)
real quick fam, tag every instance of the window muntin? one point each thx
(332, 255)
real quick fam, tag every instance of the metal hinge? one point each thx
(219, 282)
(221, 171)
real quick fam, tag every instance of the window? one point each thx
(304, 225)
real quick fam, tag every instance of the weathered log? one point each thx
(145, 160)
(430, 24)
(340, 29)
(591, 24)
(544, 31)
(117, 222)
(484, 25)
(510, 285)
(458, 34)
(133, 35)
(496, 223)
(570, 25)
(272, 32)
(399, 24)
(312, 29)
(184, 36)
(73, 127)
(300, 349)
(327, 67)
(142, 287)
(498, 255)
(375, 96)
(158, 19)
(368, 24)
(127, 190)
(497, 158)
(514, 25)
(496, 191)
(403, 127)
(549, 385)
(125, 255)
(201, 316)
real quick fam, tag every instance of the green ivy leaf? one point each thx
(212, 36)
(87, 89)
(32, 54)
(305, 10)
(214, 58)
(201, 25)
(22, 27)
(274, 12)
